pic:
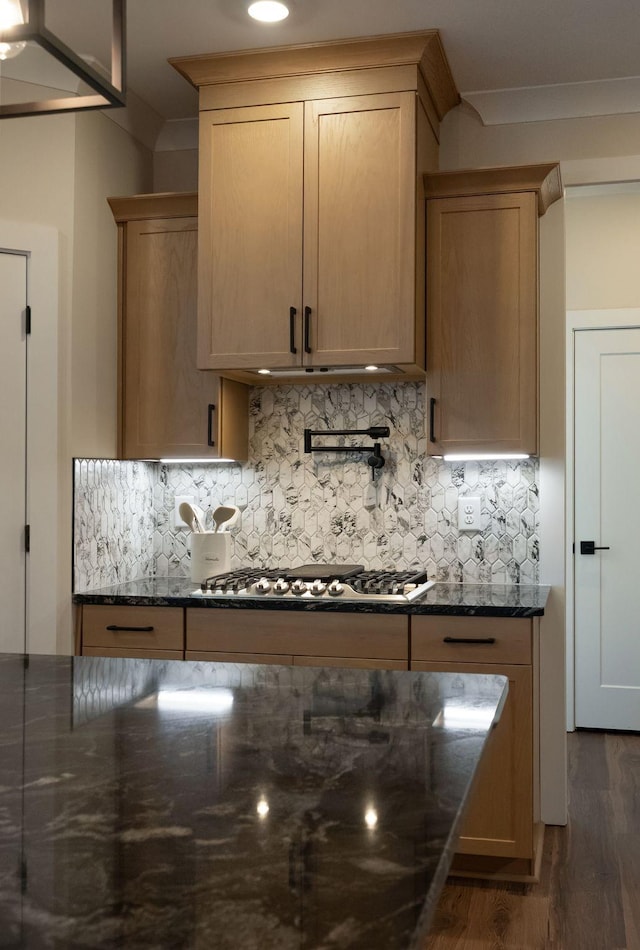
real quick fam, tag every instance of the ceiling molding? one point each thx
(178, 135)
(139, 119)
(561, 101)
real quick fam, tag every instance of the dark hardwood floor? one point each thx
(588, 897)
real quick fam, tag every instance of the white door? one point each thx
(607, 513)
(13, 430)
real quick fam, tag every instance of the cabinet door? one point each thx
(499, 817)
(168, 407)
(482, 336)
(359, 229)
(250, 248)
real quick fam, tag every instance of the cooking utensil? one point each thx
(225, 515)
(192, 515)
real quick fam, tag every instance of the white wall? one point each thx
(603, 247)
(56, 172)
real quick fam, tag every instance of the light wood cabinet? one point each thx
(482, 307)
(144, 632)
(311, 247)
(498, 832)
(303, 638)
(167, 407)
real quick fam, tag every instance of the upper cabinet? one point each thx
(482, 307)
(311, 246)
(166, 407)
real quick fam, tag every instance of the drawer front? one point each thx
(276, 660)
(298, 633)
(350, 663)
(133, 654)
(471, 639)
(135, 628)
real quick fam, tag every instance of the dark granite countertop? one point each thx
(158, 804)
(482, 600)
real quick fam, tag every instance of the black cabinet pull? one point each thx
(115, 626)
(307, 329)
(210, 440)
(469, 640)
(590, 547)
(432, 419)
(292, 330)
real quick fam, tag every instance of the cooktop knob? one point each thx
(281, 586)
(263, 586)
(335, 588)
(318, 587)
(298, 587)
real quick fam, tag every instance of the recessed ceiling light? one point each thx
(268, 11)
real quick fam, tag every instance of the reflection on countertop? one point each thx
(186, 804)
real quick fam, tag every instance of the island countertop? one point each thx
(480, 600)
(158, 804)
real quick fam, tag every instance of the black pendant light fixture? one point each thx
(36, 56)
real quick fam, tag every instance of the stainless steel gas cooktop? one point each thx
(346, 582)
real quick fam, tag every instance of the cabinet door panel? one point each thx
(499, 817)
(359, 229)
(165, 398)
(482, 340)
(250, 249)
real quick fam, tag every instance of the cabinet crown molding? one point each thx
(422, 49)
(160, 205)
(544, 180)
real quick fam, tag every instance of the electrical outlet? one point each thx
(468, 513)
(178, 523)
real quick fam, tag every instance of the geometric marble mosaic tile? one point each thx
(298, 508)
(114, 522)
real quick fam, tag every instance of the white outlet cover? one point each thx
(469, 513)
(178, 523)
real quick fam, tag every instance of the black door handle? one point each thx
(292, 330)
(307, 327)
(590, 547)
(210, 411)
(432, 419)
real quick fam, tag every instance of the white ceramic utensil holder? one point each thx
(210, 554)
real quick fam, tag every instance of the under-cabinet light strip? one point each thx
(486, 457)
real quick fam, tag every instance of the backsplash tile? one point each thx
(298, 508)
(114, 522)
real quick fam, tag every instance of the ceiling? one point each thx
(491, 45)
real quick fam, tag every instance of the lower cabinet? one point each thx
(498, 836)
(498, 833)
(142, 632)
(365, 641)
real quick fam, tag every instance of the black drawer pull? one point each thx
(469, 640)
(115, 626)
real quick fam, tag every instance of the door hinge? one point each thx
(27, 320)
(27, 538)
